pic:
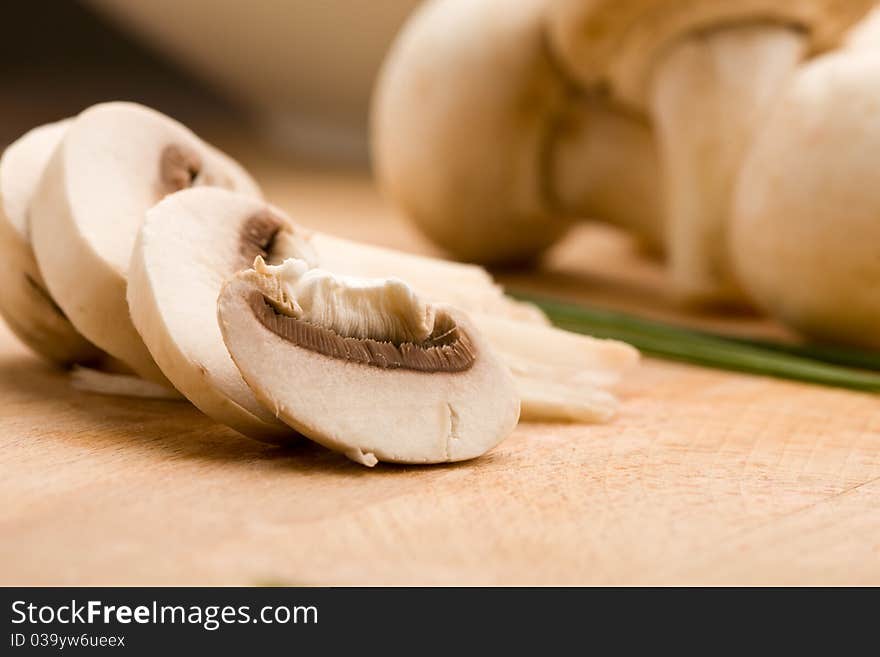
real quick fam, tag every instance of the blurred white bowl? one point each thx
(305, 66)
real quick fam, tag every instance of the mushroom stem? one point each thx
(708, 93)
(604, 166)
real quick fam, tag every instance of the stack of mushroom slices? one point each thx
(146, 259)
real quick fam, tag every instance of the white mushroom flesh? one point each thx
(383, 398)
(116, 160)
(384, 309)
(561, 376)
(25, 303)
(537, 353)
(173, 290)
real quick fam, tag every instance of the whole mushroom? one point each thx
(705, 72)
(489, 145)
(806, 218)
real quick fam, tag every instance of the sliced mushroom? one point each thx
(366, 367)
(491, 148)
(173, 289)
(561, 376)
(172, 296)
(25, 303)
(706, 72)
(115, 161)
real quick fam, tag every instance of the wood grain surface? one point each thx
(705, 478)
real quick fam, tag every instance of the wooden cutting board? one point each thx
(705, 478)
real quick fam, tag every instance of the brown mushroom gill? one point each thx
(257, 236)
(179, 168)
(448, 349)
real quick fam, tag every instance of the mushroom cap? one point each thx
(617, 43)
(189, 244)
(111, 166)
(25, 303)
(806, 220)
(460, 114)
(370, 412)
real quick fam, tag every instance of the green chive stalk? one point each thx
(830, 366)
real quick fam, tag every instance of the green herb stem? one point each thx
(830, 366)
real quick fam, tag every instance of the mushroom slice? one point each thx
(173, 290)
(560, 375)
(365, 366)
(706, 72)
(25, 303)
(115, 161)
(172, 295)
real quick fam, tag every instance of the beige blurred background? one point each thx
(295, 73)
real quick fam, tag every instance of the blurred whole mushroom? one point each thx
(706, 72)
(495, 123)
(806, 216)
(488, 144)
